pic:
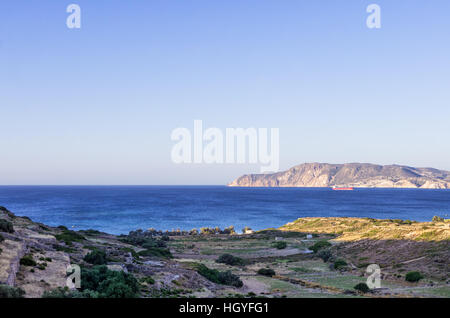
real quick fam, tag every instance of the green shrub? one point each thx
(27, 260)
(59, 293)
(6, 226)
(319, 245)
(130, 250)
(148, 279)
(210, 274)
(230, 260)
(69, 237)
(11, 292)
(325, 255)
(223, 278)
(413, 277)
(279, 245)
(108, 283)
(96, 257)
(340, 263)
(156, 251)
(65, 292)
(61, 248)
(42, 267)
(1, 238)
(362, 287)
(154, 244)
(227, 278)
(266, 272)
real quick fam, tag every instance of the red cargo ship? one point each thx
(343, 188)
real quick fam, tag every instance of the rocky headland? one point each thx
(360, 175)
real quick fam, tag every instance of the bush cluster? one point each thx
(340, 263)
(230, 260)
(325, 255)
(223, 278)
(27, 260)
(96, 257)
(362, 287)
(153, 246)
(279, 245)
(130, 250)
(68, 237)
(148, 279)
(413, 277)
(319, 245)
(11, 292)
(266, 272)
(100, 282)
(6, 226)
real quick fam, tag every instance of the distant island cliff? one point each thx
(363, 175)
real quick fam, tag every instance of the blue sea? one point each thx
(120, 209)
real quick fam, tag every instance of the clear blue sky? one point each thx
(97, 105)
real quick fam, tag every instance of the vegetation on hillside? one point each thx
(96, 257)
(11, 292)
(6, 226)
(100, 282)
(223, 278)
(230, 260)
(354, 229)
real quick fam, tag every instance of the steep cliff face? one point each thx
(349, 174)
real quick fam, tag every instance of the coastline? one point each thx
(180, 264)
(120, 209)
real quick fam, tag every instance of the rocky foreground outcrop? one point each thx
(36, 241)
(362, 175)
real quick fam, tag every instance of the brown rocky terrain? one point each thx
(393, 244)
(362, 175)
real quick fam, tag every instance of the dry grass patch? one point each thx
(353, 229)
